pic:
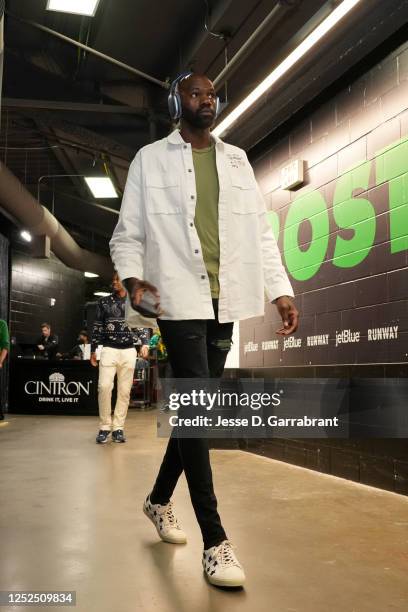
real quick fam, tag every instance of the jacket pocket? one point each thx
(244, 218)
(243, 194)
(162, 194)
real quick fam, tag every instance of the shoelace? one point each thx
(226, 555)
(169, 517)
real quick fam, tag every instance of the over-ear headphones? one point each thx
(174, 100)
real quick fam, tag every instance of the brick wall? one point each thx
(4, 306)
(364, 126)
(343, 234)
(34, 282)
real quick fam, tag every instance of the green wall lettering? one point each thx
(350, 213)
(303, 264)
(392, 166)
(357, 214)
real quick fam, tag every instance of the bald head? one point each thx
(195, 78)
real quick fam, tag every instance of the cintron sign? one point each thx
(40, 386)
(56, 388)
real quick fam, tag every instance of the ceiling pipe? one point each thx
(91, 50)
(19, 202)
(202, 34)
(82, 107)
(255, 38)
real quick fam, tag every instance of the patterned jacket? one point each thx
(110, 328)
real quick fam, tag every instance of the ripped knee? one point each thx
(193, 337)
(220, 344)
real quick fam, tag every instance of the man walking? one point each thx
(193, 233)
(118, 357)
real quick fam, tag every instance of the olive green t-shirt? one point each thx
(206, 212)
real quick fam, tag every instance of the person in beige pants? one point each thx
(118, 358)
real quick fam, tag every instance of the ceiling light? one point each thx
(287, 63)
(101, 293)
(78, 7)
(101, 187)
(26, 236)
(91, 275)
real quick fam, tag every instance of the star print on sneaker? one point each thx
(221, 566)
(165, 522)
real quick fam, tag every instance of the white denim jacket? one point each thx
(155, 238)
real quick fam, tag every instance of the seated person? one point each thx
(47, 344)
(84, 344)
(81, 350)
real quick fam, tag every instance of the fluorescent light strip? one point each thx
(101, 187)
(287, 63)
(91, 275)
(101, 293)
(76, 7)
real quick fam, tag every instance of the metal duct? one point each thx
(91, 50)
(18, 201)
(249, 45)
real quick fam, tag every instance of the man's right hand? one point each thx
(136, 288)
(93, 360)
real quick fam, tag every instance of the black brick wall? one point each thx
(375, 462)
(368, 114)
(4, 302)
(34, 282)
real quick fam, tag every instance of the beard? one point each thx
(196, 119)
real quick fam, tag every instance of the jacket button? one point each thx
(184, 146)
(196, 251)
(192, 197)
(190, 170)
(202, 277)
(191, 224)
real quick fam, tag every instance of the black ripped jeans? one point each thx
(197, 349)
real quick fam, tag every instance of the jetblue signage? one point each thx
(345, 336)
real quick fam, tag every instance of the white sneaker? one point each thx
(221, 566)
(165, 522)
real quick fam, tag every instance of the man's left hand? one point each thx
(289, 314)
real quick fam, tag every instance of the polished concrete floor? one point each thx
(71, 520)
